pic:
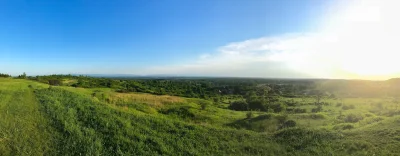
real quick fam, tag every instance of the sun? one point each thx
(365, 36)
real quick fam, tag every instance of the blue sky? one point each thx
(149, 37)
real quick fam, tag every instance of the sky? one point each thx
(352, 39)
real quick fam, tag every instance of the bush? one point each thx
(55, 82)
(347, 107)
(316, 110)
(371, 120)
(315, 116)
(288, 124)
(343, 126)
(281, 118)
(300, 110)
(203, 104)
(348, 127)
(216, 99)
(122, 91)
(257, 105)
(249, 115)
(262, 117)
(291, 103)
(352, 118)
(277, 107)
(239, 106)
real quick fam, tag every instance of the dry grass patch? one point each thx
(152, 100)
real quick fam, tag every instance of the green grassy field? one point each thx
(40, 120)
(23, 129)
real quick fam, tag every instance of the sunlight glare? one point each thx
(363, 37)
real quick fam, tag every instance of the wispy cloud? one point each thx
(292, 55)
(262, 57)
(359, 41)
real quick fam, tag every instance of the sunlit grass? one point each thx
(23, 131)
(38, 120)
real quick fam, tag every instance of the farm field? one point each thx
(39, 119)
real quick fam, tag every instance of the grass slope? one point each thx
(38, 120)
(88, 127)
(23, 130)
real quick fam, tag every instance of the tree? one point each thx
(4, 75)
(23, 76)
(257, 104)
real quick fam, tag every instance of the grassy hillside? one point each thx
(23, 129)
(37, 119)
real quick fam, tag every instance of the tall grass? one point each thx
(37, 120)
(23, 130)
(87, 127)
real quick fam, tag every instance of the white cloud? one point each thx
(295, 55)
(358, 41)
(260, 57)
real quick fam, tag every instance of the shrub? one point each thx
(343, 126)
(249, 115)
(203, 104)
(347, 107)
(281, 118)
(369, 115)
(122, 91)
(371, 120)
(314, 116)
(391, 113)
(291, 103)
(317, 116)
(317, 109)
(277, 107)
(300, 110)
(239, 106)
(216, 99)
(288, 124)
(257, 105)
(55, 82)
(262, 117)
(348, 127)
(352, 118)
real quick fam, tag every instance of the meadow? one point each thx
(40, 119)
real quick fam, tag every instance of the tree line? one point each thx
(4, 75)
(190, 87)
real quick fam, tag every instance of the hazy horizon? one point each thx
(336, 39)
